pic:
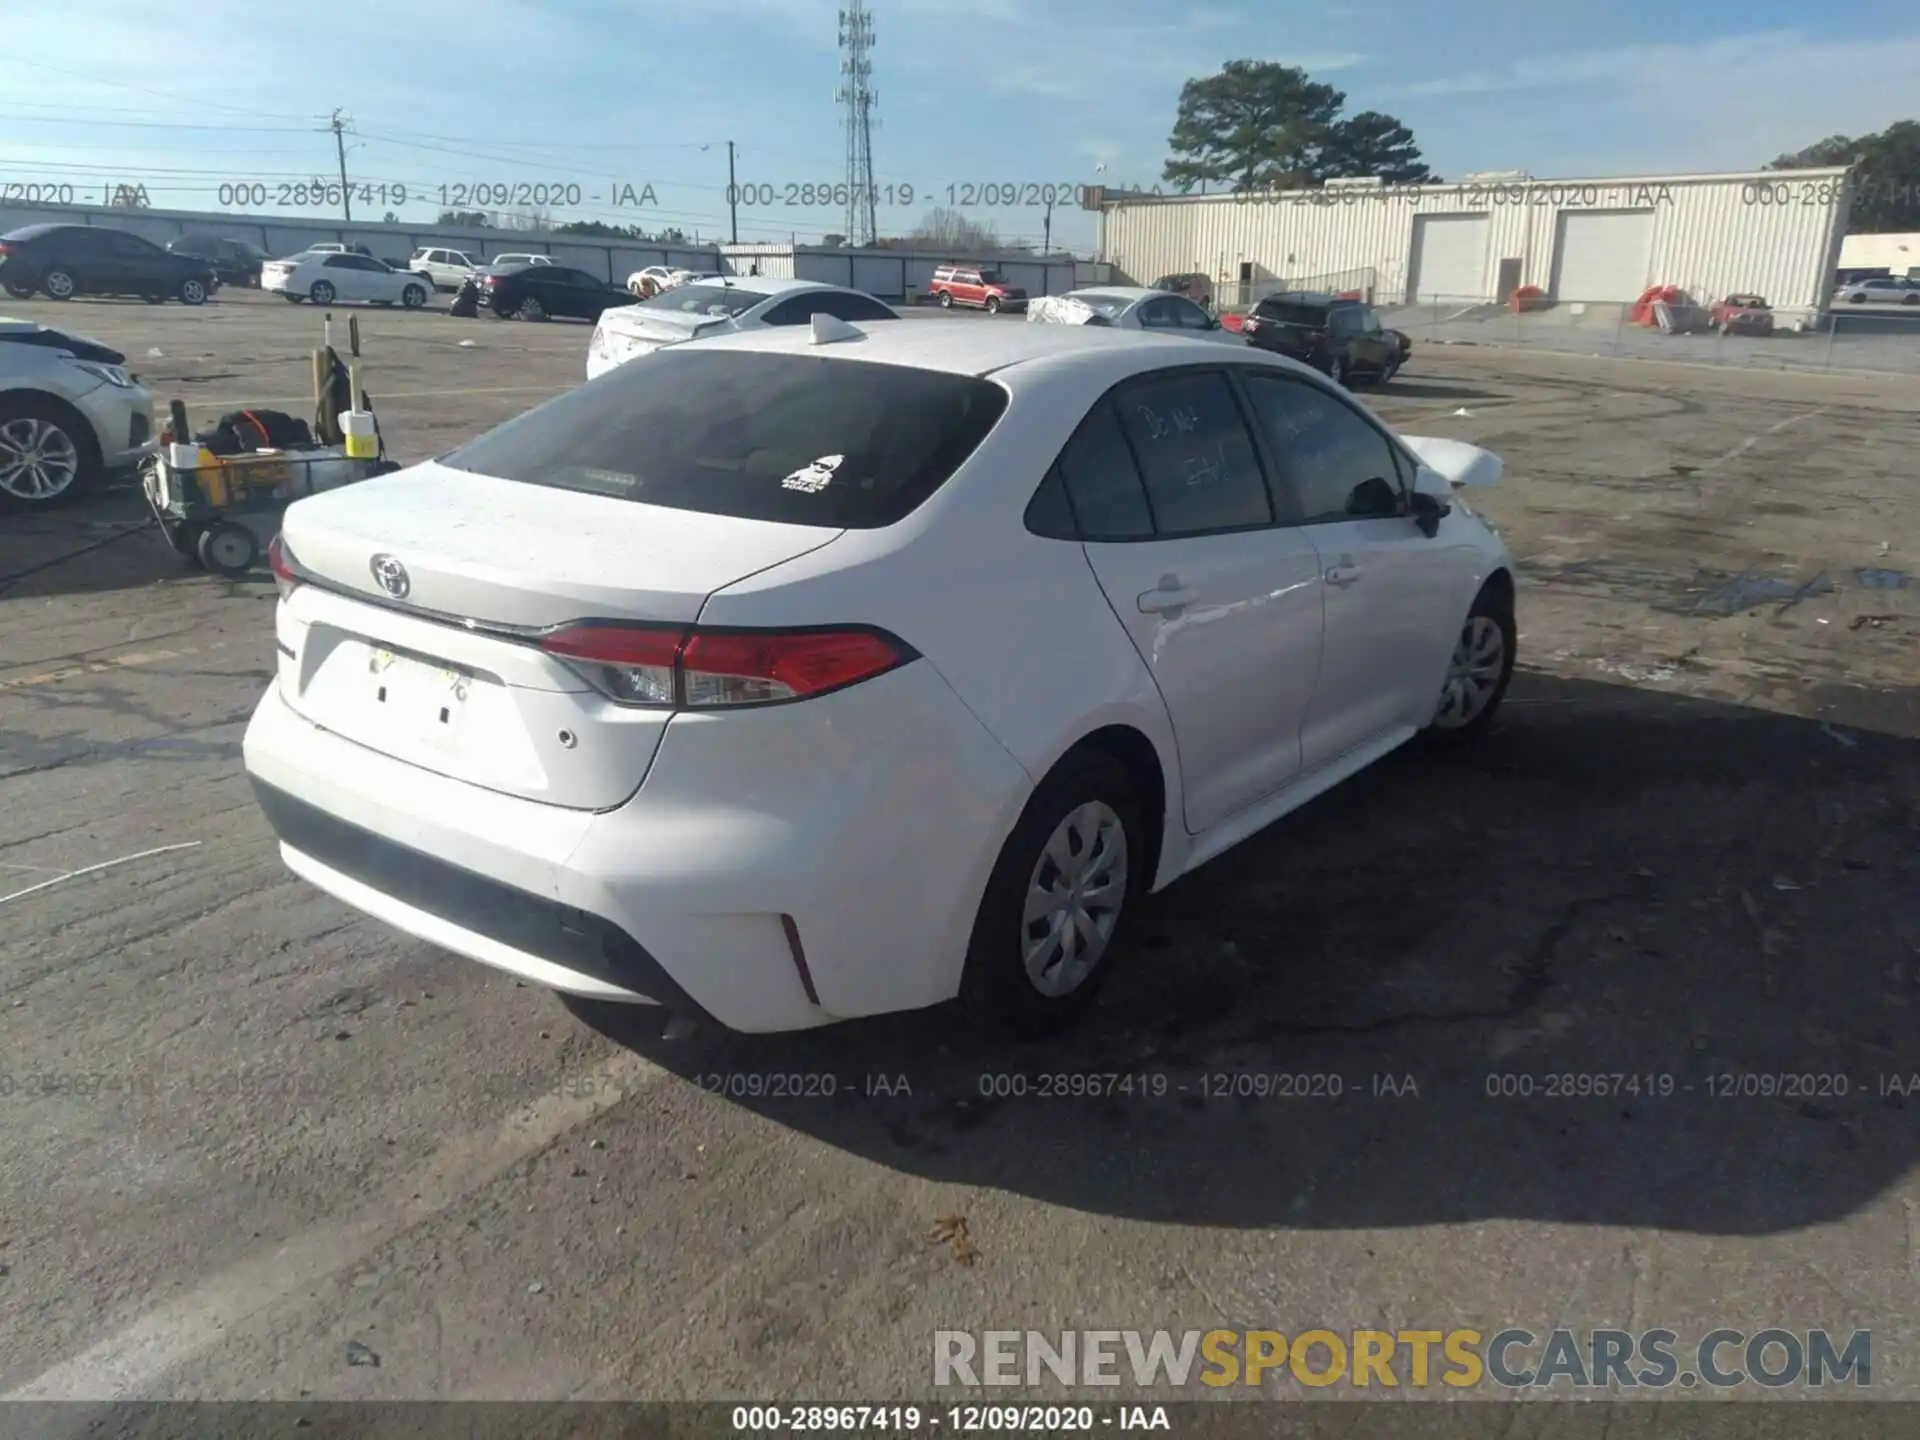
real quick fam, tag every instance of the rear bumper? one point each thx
(514, 929)
(870, 822)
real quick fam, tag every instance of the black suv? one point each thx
(235, 262)
(1340, 337)
(63, 261)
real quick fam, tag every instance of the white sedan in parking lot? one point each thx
(721, 305)
(325, 277)
(834, 670)
(1131, 307)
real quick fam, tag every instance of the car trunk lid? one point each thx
(420, 637)
(629, 331)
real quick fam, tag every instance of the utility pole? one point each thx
(733, 195)
(1046, 239)
(339, 127)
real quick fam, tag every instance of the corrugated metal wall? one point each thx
(1773, 231)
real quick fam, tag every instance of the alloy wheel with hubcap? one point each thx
(532, 309)
(1478, 671)
(1074, 899)
(39, 460)
(193, 292)
(413, 297)
(59, 285)
(1053, 919)
(322, 293)
(993, 304)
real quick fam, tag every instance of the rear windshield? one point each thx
(706, 299)
(797, 439)
(32, 232)
(1291, 312)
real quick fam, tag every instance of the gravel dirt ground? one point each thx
(246, 1130)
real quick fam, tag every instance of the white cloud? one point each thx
(1728, 104)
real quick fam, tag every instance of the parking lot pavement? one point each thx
(245, 1128)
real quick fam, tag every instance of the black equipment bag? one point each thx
(241, 432)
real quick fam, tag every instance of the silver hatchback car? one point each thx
(69, 411)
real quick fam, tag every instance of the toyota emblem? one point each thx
(391, 576)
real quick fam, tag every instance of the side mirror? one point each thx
(1432, 500)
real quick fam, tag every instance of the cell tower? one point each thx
(857, 96)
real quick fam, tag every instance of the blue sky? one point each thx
(599, 95)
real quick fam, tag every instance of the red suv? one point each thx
(982, 288)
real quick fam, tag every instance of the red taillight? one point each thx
(284, 575)
(707, 669)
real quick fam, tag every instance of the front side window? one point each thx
(1333, 464)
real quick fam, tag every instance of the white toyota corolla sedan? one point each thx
(824, 671)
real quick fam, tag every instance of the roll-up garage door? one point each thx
(1449, 257)
(1602, 255)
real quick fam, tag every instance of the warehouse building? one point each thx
(1775, 232)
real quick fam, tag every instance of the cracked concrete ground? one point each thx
(245, 1128)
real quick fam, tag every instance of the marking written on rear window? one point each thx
(815, 477)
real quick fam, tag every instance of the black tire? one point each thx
(531, 309)
(946, 299)
(1337, 370)
(78, 440)
(1495, 603)
(60, 284)
(291, 298)
(996, 987)
(413, 297)
(322, 292)
(993, 304)
(1392, 369)
(19, 290)
(1856, 299)
(228, 548)
(193, 291)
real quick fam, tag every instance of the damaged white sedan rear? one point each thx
(842, 669)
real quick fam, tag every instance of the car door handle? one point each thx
(1157, 602)
(1344, 574)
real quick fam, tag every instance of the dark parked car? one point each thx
(537, 292)
(235, 262)
(62, 261)
(1340, 337)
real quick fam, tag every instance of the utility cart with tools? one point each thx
(219, 495)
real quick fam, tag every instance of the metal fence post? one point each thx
(1833, 325)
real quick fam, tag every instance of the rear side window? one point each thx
(1201, 470)
(796, 439)
(1101, 482)
(1288, 312)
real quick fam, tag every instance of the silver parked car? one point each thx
(1882, 290)
(69, 411)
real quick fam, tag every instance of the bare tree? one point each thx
(942, 228)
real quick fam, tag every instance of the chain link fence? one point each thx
(1882, 338)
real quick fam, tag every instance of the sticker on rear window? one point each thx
(815, 477)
